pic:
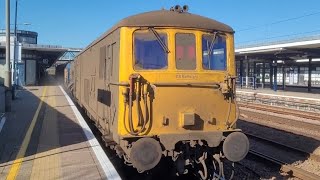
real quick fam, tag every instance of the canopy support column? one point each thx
(309, 74)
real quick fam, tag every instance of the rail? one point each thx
(298, 150)
(296, 172)
(283, 111)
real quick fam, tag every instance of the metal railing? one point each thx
(249, 82)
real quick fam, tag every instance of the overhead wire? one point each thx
(281, 36)
(278, 22)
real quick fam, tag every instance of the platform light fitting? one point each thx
(307, 60)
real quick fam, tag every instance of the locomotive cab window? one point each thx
(214, 52)
(185, 51)
(148, 50)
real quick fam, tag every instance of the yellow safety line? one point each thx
(17, 163)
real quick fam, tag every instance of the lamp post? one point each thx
(15, 20)
(8, 81)
(14, 64)
(15, 61)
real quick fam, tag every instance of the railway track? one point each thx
(283, 164)
(284, 146)
(293, 171)
(284, 111)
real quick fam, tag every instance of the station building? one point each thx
(292, 64)
(31, 58)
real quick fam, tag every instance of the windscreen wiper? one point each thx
(162, 44)
(212, 42)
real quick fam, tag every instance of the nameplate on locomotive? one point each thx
(186, 76)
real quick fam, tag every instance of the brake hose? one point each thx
(132, 87)
(229, 111)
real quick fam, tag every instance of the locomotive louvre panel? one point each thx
(111, 55)
(114, 50)
(80, 87)
(103, 95)
(95, 68)
(102, 63)
(93, 87)
(108, 63)
(107, 106)
(114, 77)
(86, 90)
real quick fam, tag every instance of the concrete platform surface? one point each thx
(43, 138)
(291, 94)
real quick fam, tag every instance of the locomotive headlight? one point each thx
(236, 146)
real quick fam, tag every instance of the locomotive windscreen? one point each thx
(214, 52)
(148, 52)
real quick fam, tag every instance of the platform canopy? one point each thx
(294, 49)
(44, 54)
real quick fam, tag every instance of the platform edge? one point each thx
(106, 165)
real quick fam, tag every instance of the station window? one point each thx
(148, 52)
(185, 51)
(214, 52)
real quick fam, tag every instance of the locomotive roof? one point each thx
(167, 18)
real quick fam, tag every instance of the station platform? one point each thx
(45, 137)
(289, 99)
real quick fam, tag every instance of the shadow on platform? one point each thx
(71, 136)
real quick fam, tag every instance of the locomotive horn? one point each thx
(185, 8)
(178, 8)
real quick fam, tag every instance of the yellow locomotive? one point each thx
(162, 84)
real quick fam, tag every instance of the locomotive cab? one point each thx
(181, 92)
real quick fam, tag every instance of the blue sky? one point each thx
(75, 23)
